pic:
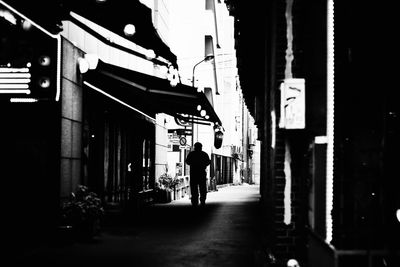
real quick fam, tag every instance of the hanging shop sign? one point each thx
(293, 108)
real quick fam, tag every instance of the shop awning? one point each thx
(115, 15)
(152, 94)
(112, 15)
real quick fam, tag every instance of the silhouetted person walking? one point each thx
(198, 161)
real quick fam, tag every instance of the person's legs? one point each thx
(203, 191)
(194, 191)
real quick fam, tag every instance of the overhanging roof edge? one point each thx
(156, 93)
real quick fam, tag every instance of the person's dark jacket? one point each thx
(198, 161)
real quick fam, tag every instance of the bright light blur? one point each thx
(8, 16)
(129, 30)
(173, 82)
(398, 215)
(44, 82)
(93, 60)
(83, 65)
(44, 61)
(150, 54)
(292, 263)
(26, 25)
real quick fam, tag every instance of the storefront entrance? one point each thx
(118, 149)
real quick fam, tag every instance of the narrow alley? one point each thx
(223, 233)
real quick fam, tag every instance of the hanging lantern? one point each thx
(218, 137)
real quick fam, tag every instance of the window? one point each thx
(209, 5)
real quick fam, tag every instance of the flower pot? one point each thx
(164, 196)
(64, 234)
(87, 229)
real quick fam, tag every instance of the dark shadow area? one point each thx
(161, 217)
(178, 215)
(223, 233)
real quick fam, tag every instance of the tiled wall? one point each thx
(71, 119)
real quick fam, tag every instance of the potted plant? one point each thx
(165, 185)
(83, 211)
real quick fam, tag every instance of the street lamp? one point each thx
(205, 59)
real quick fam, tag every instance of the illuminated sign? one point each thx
(29, 60)
(15, 80)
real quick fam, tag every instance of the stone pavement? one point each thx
(226, 232)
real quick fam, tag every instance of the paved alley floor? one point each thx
(223, 233)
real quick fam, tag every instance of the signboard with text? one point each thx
(293, 108)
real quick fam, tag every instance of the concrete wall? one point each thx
(161, 145)
(71, 119)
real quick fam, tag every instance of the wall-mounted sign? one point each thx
(293, 104)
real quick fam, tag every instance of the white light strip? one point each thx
(26, 18)
(330, 122)
(58, 85)
(109, 74)
(171, 93)
(15, 75)
(23, 100)
(119, 101)
(15, 91)
(24, 80)
(12, 70)
(14, 86)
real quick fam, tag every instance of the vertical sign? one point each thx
(293, 108)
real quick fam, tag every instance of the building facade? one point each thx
(200, 29)
(81, 97)
(325, 119)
